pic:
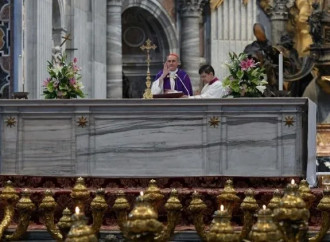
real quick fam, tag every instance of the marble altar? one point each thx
(157, 138)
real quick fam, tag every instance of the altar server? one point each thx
(213, 86)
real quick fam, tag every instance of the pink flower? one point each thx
(246, 64)
(72, 82)
(45, 83)
(75, 60)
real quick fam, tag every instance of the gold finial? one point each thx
(80, 193)
(148, 46)
(228, 197)
(153, 194)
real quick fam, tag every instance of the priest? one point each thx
(171, 78)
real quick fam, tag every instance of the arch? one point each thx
(155, 9)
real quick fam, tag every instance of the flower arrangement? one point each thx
(246, 79)
(63, 82)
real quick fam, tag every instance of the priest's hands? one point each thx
(165, 73)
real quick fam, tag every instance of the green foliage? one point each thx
(246, 79)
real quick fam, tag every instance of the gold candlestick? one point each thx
(197, 208)
(275, 201)
(324, 207)
(148, 46)
(98, 206)
(9, 197)
(173, 208)
(221, 229)
(65, 222)
(47, 208)
(153, 195)
(25, 208)
(228, 197)
(80, 194)
(249, 207)
(121, 207)
(292, 214)
(265, 230)
(306, 194)
(142, 224)
(79, 231)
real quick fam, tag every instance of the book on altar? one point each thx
(169, 94)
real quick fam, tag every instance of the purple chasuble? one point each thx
(178, 83)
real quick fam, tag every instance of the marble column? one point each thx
(279, 18)
(114, 49)
(190, 39)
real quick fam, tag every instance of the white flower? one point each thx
(261, 88)
(263, 82)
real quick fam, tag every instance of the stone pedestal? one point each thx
(114, 49)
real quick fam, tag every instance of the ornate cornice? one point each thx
(277, 8)
(192, 8)
(214, 4)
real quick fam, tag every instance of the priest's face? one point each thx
(207, 77)
(172, 62)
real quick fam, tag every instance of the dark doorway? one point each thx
(139, 25)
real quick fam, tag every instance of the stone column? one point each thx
(279, 18)
(114, 49)
(190, 52)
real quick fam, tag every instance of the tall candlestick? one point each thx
(22, 44)
(280, 72)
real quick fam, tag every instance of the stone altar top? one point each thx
(157, 138)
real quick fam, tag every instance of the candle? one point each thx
(22, 44)
(292, 182)
(141, 193)
(222, 208)
(264, 207)
(77, 210)
(280, 72)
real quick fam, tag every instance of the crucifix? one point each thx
(65, 38)
(148, 46)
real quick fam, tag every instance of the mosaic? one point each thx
(4, 48)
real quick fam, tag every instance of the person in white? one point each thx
(213, 87)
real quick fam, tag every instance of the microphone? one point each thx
(176, 75)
